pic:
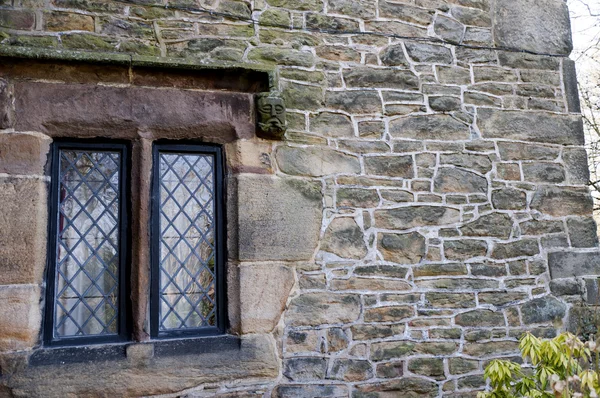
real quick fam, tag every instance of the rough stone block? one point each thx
(264, 290)
(543, 309)
(249, 157)
(576, 166)
(345, 239)
(7, 110)
(409, 387)
(531, 126)
(310, 391)
(315, 161)
(278, 219)
(23, 153)
(23, 230)
(571, 87)
(323, 308)
(416, 216)
(583, 232)
(452, 180)
(430, 127)
(378, 78)
(402, 248)
(571, 264)
(20, 317)
(541, 26)
(562, 201)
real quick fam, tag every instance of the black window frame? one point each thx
(159, 147)
(124, 318)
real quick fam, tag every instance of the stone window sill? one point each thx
(134, 351)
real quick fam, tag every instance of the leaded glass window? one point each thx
(85, 292)
(186, 243)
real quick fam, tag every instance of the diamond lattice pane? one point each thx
(87, 256)
(187, 243)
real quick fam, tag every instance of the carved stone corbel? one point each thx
(271, 115)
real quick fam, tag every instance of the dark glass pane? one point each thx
(87, 254)
(187, 243)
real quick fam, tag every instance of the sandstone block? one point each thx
(449, 29)
(7, 111)
(520, 151)
(23, 230)
(20, 317)
(351, 370)
(281, 56)
(389, 314)
(520, 248)
(17, 19)
(315, 161)
(344, 238)
(582, 232)
(570, 264)
(566, 287)
(495, 224)
(264, 290)
(358, 102)
(23, 153)
(406, 387)
(397, 349)
(501, 298)
(390, 166)
(393, 56)
(562, 201)
(444, 103)
(357, 197)
(430, 127)
(462, 365)
(305, 368)
(310, 391)
(381, 78)
(402, 248)
(480, 318)
(416, 216)
(250, 157)
(491, 348)
(444, 269)
(278, 219)
(518, 25)
(530, 126)
(509, 199)
(429, 53)
(543, 172)
(360, 9)
(452, 180)
(372, 284)
(464, 249)
(332, 125)
(63, 21)
(450, 300)
(430, 367)
(480, 163)
(312, 309)
(543, 309)
(301, 96)
(576, 165)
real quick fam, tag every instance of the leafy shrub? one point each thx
(562, 367)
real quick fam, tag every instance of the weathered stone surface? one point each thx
(20, 317)
(453, 180)
(392, 271)
(7, 111)
(379, 78)
(431, 367)
(402, 248)
(344, 238)
(359, 102)
(480, 318)
(323, 308)
(332, 125)
(495, 224)
(421, 52)
(480, 350)
(360, 9)
(543, 309)
(310, 391)
(519, 248)
(571, 87)
(521, 151)
(541, 26)
(543, 172)
(464, 249)
(302, 96)
(394, 56)
(449, 29)
(305, 368)
(570, 264)
(277, 219)
(509, 199)
(457, 284)
(562, 201)
(357, 197)
(397, 349)
(23, 230)
(351, 370)
(582, 232)
(389, 314)
(462, 365)
(576, 165)
(390, 166)
(370, 284)
(415, 216)
(264, 290)
(430, 127)
(530, 126)
(408, 387)
(479, 163)
(444, 103)
(566, 287)
(450, 300)
(315, 161)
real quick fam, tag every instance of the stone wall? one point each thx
(427, 205)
